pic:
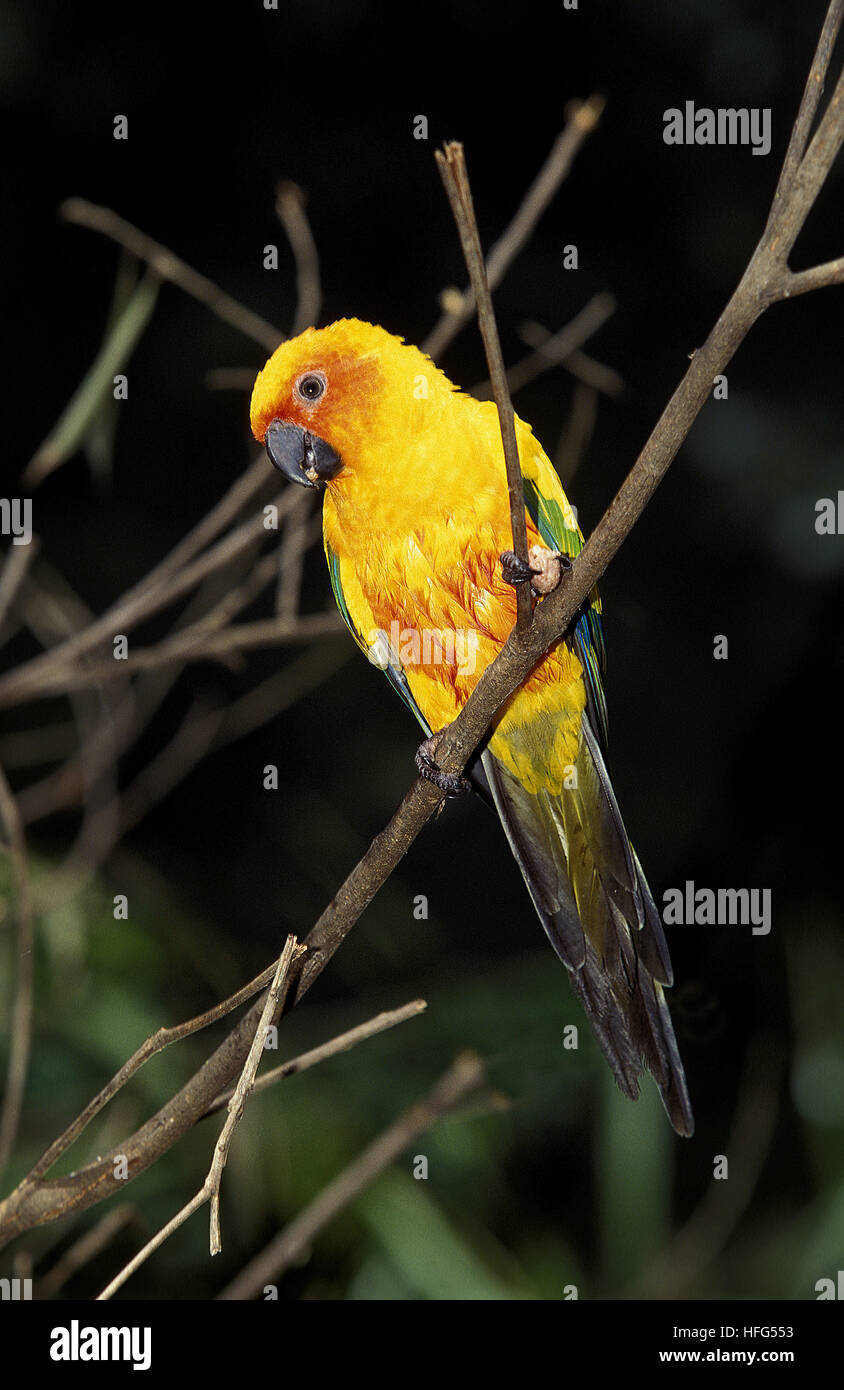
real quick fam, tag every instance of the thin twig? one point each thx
(205, 645)
(577, 432)
(582, 119)
(55, 613)
(189, 745)
(812, 93)
(342, 1043)
(788, 214)
(61, 787)
(16, 563)
(89, 1245)
(452, 166)
(168, 266)
(53, 672)
(210, 1190)
(557, 349)
(578, 364)
(243, 1089)
(277, 693)
(205, 728)
(464, 1077)
(290, 210)
(154, 1044)
(295, 543)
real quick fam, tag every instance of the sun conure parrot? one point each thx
(416, 519)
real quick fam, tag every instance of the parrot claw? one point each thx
(515, 571)
(544, 570)
(449, 782)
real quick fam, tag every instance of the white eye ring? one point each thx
(311, 387)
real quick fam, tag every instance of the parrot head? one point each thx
(333, 398)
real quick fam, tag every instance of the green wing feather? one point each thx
(588, 633)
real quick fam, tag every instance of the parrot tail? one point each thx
(594, 902)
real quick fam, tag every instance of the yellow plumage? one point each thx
(416, 516)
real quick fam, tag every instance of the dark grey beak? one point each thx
(302, 457)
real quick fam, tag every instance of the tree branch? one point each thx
(210, 1190)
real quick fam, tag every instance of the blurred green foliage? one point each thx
(509, 1209)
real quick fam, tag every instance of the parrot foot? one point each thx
(544, 571)
(449, 782)
(513, 570)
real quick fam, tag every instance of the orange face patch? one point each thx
(352, 385)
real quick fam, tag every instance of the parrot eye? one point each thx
(311, 387)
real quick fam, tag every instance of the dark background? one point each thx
(726, 771)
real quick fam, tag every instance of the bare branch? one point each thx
(16, 563)
(464, 1077)
(277, 693)
(150, 1048)
(210, 1190)
(452, 166)
(577, 432)
(86, 1248)
(811, 97)
(299, 531)
(53, 671)
(816, 278)
(579, 364)
(582, 119)
(168, 266)
(557, 349)
(61, 787)
(791, 205)
(290, 210)
(205, 644)
(342, 1043)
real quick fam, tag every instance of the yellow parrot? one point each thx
(416, 523)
